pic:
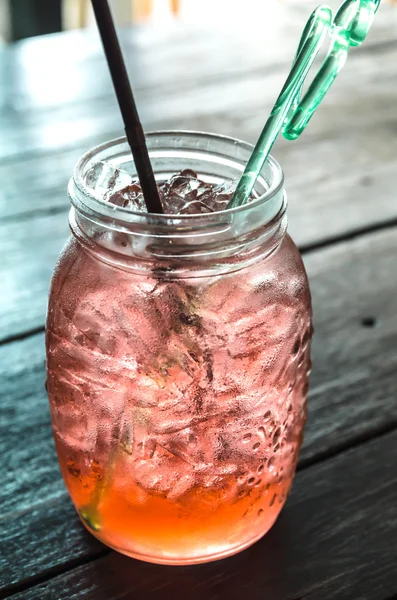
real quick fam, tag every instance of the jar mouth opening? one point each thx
(273, 182)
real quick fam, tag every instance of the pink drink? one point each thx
(178, 370)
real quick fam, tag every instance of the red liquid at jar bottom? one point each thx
(199, 526)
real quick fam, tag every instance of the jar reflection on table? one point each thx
(178, 359)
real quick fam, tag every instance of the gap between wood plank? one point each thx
(348, 236)
(47, 576)
(22, 336)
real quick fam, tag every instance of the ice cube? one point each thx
(217, 197)
(130, 197)
(195, 207)
(182, 186)
(106, 179)
(179, 190)
(164, 474)
(188, 195)
(189, 173)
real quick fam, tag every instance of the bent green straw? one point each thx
(291, 114)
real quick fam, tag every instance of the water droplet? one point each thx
(270, 463)
(247, 438)
(258, 483)
(296, 347)
(256, 446)
(262, 432)
(241, 494)
(74, 472)
(267, 415)
(251, 480)
(276, 435)
(260, 512)
(272, 501)
(260, 469)
(276, 447)
(306, 338)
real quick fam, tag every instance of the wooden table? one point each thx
(337, 536)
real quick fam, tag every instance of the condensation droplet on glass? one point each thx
(276, 435)
(267, 415)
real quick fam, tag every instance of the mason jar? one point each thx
(178, 358)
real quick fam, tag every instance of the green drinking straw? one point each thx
(291, 114)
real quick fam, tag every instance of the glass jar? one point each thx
(178, 359)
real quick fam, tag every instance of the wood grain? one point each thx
(353, 397)
(313, 552)
(49, 72)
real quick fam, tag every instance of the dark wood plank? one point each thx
(25, 281)
(335, 540)
(352, 398)
(61, 531)
(34, 17)
(31, 475)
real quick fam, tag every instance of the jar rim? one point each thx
(102, 207)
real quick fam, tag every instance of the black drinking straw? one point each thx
(125, 98)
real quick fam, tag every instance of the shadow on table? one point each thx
(257, 572)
